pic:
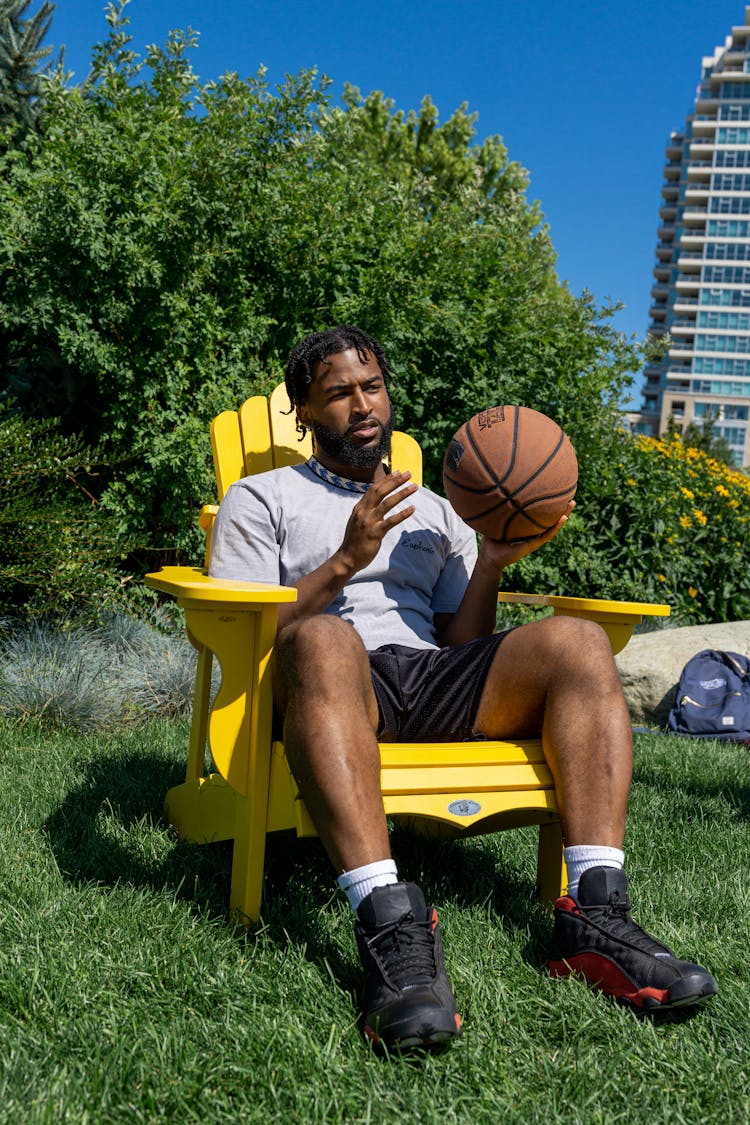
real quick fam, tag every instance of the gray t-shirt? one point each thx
(281, 525)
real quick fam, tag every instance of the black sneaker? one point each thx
(409, 1001)
(596, 937)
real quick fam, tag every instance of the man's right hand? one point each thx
(373, 517)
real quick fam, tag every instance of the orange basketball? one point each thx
(510, 472)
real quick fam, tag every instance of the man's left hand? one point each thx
(497, 554)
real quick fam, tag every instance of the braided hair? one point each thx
(314, 348)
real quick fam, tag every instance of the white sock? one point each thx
(357, 883)
(581, 857)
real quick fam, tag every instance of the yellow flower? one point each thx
(630, 481)
(685, 522)
(699, 516)
(687, 493)
(722, 491)
(692, 591)
(662, 577)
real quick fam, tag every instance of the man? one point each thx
(392, 636)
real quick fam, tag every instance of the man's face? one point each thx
(349, 410)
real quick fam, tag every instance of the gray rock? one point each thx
(651, 663)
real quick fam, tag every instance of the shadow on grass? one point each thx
(103, 832)
(110, 829)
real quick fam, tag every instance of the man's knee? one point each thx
(578, 646)
(318, 646)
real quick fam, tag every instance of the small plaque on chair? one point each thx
(464, 808)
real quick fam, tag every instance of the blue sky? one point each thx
(583, 93)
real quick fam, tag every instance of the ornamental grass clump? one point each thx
(61, 677)
(123, 671)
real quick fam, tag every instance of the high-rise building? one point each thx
(701, 291)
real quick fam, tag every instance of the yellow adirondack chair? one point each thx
(451, 788)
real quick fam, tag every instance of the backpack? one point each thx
(713, 697)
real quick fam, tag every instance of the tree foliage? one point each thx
(57, 552)
(22, 82)
(164, 243)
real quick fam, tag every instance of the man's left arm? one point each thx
(476, 615)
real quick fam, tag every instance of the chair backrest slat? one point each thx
(262, 435)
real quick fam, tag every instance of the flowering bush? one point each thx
(664, 523)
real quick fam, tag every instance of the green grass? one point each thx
(126, 995)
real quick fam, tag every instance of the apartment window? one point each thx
(730, 181)
(727, 251)
(732, 136)
(721, 387)
(705, 343)
(728, 228)
(734, 158)
(734, 113)
(729, 205)
(727, 275)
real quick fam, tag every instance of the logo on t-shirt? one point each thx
(414, 543)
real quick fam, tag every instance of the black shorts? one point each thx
(432, 693)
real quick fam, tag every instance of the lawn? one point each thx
(127, 996)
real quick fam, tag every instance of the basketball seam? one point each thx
(487, 467)
(543, 465)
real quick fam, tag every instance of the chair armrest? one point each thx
(207, 516)
(587, 605)
(190, 583)
(236, 623)
(617, 618)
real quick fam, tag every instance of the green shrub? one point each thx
(58, 552)
(667, 523)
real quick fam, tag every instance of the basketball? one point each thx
(510, 472)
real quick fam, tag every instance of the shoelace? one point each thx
(406, 950)
(615, 918)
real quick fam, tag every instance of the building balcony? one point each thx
(681, 301)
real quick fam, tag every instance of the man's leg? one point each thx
(558, 677)
(323, 687)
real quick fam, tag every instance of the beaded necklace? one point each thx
(334, 479)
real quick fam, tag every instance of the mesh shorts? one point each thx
(432, 693)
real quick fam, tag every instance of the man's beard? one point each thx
(341, 448)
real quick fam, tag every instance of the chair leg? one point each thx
(199, 724)
(551, 876)
(248, 858)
